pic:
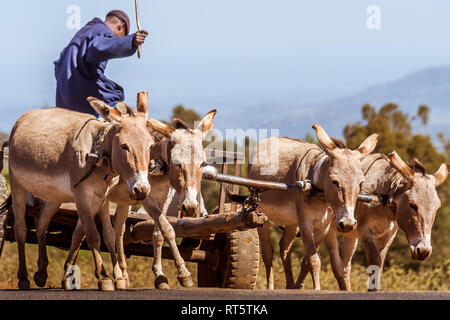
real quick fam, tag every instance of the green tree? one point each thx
(423, 113)
(187, 115)
(3, 137)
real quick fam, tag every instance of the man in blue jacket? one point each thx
(80, 70)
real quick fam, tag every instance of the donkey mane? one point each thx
(418, 166)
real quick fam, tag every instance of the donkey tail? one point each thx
(2, 150)
(235, 197)
(4, 207)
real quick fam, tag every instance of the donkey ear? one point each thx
(369, 145)
(207, 122)
(105, 111)
(142, 102)
(441, 174)
(160, 127)
(401, 165)
(324, 139)
(180, 124)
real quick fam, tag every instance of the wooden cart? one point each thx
(227, 257)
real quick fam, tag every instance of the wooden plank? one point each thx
(198, 227)
(222, 190)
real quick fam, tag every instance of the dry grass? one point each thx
(394, 278)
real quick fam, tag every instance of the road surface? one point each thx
(216, 294)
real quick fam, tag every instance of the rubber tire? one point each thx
(238, 262)
(3, 197)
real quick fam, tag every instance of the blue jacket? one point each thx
(80, 70)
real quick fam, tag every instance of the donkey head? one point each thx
(342, 184)
(417, 203)
(185, 158)
(128, 143)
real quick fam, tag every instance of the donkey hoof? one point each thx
(121, 284)
(24, 284)
(67, 284)
(185, 281)
(40, 279)
(106, 285)
(161, 283)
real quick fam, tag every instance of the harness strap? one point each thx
(98, 155)
(317, 168)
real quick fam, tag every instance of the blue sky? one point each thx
(226, 54)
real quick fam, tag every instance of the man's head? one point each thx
(119, 22)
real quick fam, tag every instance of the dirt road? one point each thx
(216, 294)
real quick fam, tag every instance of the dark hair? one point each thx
(122, 16)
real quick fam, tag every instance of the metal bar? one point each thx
(268, 185)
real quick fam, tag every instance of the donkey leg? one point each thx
(348, 248)
(311, 255)
(77, 240)
(161, 281)
(267, 253)
(184, 276)
(20, 230)
(42, 222)
(337, 266)
(109, 239)
(304, 270)
(373, 255)
(384, 244)
(86, 215)
(119, 229)
(286, 248)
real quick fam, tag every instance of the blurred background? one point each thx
(354, 68)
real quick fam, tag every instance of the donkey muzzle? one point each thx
(421, 251)
(140, 189)
(347, 222)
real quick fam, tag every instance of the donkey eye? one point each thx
(336, 183)
(414, 206)
(125, 147)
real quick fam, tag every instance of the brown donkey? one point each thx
(336, 170)
(182, 155)
(415, 203)
(48, 158)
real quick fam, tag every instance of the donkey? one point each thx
(181, 153)
(336, 170)
(415, 203)
(49, 157)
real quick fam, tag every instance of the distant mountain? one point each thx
(430, 86)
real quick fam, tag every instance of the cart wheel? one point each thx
(238, 261)
(3, 197)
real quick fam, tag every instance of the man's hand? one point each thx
(139, 38)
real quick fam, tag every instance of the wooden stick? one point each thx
(138, 26)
